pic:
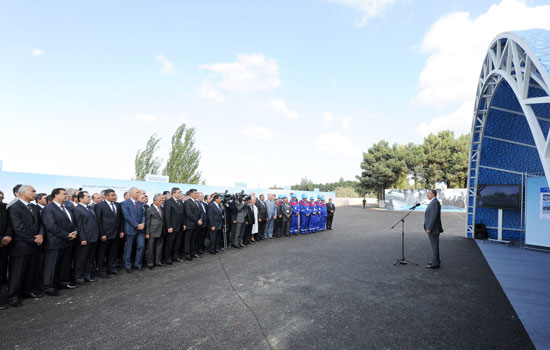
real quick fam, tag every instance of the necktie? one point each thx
(91, 210)
(66, 213)
(113, 207)
(160, 211)
(30, 208)
(136, 204)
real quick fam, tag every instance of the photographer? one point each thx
(241, 204)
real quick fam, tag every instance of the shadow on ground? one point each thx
(330, 290)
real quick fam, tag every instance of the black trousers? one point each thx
(173, 245)
(190, 238)
(285, 227)
(22, 274)
(178, 244)
(154, 250)
(84, 259)
(277, 228)
(3, 274)
(261, 228)
(247, 236)
(203, 232)
(106, 254)
(329, 221)
(57, 267)
(214, 238)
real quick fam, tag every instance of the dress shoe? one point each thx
(79, 282)
(89, 279)
(14, 302)
(104, 275)
(150, 267)
(188, 258)
(195, 255)
(432, 266)
(69, 286)
(51, 292)
(217, 250)
(235, 246)
(139, 269)
(212, 252)
(160, 264)
(128, 270)
(3, 307)
(114, 272)
(177, 259)
(241, 245)
(200, 252)
(34, 295)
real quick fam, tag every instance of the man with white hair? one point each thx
(134, 226)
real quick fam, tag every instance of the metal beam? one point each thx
(502, 170)
(510, 141)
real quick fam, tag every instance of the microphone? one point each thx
(414, 206)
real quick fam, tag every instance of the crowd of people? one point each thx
(69, 238)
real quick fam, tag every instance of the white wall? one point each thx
(342, 202)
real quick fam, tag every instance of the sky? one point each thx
(276, 90)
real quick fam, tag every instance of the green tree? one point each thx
(437, 157)
(304, 185)
(414, 158)
(346, 192)
(458, 175)
(145, 161)
(183, 160)
(381, 168)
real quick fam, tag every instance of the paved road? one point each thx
(331, 290)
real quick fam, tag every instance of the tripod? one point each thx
(403, 261)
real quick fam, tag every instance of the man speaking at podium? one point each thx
(432, 225)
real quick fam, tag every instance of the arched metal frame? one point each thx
(522, 60)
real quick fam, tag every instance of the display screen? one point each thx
(499, 196)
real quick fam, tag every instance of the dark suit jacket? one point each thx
(432, 217)
(204, 214)
(173, 214)
(286, 209)
(23, 227)
(86, 223)
(132, 216)
(58, 226)
(3, 220)
(330, 206)
(215, 216)
(154, 223)
(109, 223)
(262, 210)
(192, 214)
(250, 215)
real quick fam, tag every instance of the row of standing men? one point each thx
(65, 244)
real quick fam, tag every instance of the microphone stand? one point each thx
(403, 261)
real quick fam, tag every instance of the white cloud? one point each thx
(458, 121)
(367, 8)
(457, 44)
(280, 106)
(258, 132)
(327, 119)
(37, 52)
(334, 143)
(167, 66)
(209, 91)
(346, 122)
(250, 72)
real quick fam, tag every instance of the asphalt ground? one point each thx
(330, 290)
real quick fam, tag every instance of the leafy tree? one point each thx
(346, 192)
(414, 158)
(304, 185)
(183, 160)
(381, 168)
(145, 161)
(458, 175)
(438, 151)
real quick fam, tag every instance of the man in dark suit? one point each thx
(4, 241)
(250, 219)
(134, 226)
(433, 227)
(262, 217)
(215, 222)
(154, 231)
(59, 223)
(88, 234)
(286, 209)
(203, 229)
(330, 213)
(27, 235)
(241, 207)
(110, 224)
(173, 221)
(193, 222)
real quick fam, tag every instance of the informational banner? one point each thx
(545, 203)
(157, 178)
